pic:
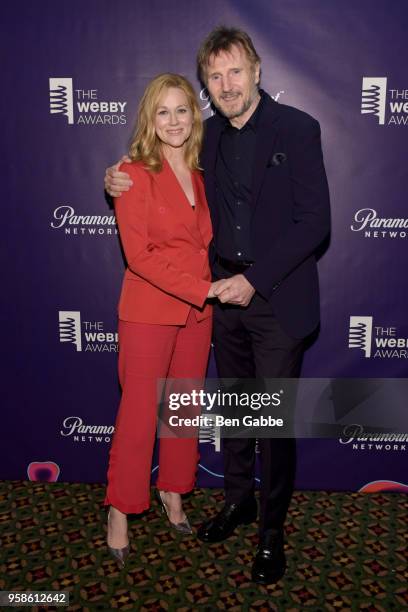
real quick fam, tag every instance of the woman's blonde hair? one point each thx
(145, 145)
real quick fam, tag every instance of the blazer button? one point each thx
(161, 209)
(202, 252)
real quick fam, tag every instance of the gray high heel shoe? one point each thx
(120, 554)
(183, 527)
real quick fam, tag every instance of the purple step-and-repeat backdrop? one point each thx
(75, 73)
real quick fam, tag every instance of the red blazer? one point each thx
(166, 247)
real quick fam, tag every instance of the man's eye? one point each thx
(237, 71)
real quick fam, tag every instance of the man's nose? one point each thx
(226, 83)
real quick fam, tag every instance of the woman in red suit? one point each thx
(164, 317)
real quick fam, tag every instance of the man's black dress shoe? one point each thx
(270, 561)
(223, 524)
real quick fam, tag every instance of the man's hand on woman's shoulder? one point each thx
(117, 182)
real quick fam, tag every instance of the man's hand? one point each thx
(117, 182)
(216, 286)
(235, 290)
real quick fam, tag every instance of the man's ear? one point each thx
(257, 72)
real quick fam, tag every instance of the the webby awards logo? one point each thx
(209, 433)
(386, 106)
(376, 341)
(86, 336)
(83, 106)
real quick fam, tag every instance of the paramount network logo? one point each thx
(204, 96)
(356, 438)
(82, 106)
(371, 225)
(374, 97)
(73, 427)
(66, 219)
(365, 336)
(90, 333)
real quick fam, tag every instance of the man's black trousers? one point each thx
(250, 343)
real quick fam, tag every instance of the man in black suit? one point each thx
(268, 196)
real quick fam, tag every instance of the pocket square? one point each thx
(277, 159)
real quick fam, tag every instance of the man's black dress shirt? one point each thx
(234, 169)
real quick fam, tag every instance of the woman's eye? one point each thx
(162, 112)
(182, 110)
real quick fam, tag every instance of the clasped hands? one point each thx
(234, 290)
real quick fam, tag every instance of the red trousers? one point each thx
(148, 352)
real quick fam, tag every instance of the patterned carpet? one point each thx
(345, 552)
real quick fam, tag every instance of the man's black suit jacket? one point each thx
(291, 211)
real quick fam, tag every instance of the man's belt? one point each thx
(236, 267)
